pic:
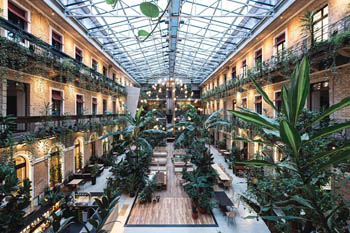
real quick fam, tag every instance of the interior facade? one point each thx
(175, 115)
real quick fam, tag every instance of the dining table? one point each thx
(222, 175)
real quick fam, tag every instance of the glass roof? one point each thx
(193, 38)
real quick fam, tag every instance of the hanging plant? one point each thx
(150, 10)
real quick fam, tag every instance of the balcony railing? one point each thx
(24, 52)
(38, 127)
(284, 62)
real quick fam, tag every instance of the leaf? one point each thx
(259, 163)
(250, 117)
(323, 155)
(263, 93)
(110, 2)
(272, 132)
(285, 102)
(154, 131)
(93, 222)
(149, 9)
(300, 90)
(345, 155)
(329, 130)
(342, 104)
(143, 33)
(302, 201)
(138, 115)
(254, 141)
(277, 218)
(289, 165)
(218, 123)
(290, 136)
(212, 117)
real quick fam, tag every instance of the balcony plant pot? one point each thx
(202, 210)
(194, 212)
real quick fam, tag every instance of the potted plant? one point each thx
(204, 204)
(142, 197)
(94, 171)
(194, 212)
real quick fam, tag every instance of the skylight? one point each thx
(194, 37)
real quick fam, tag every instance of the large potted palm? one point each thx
(305, 205)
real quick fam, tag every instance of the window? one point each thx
(94, 64)
(21, 169)
(280, 43)
(258, 59)
(244, 103)
(78, 54)
(79, 104)
(114, 107)
(57, 41)
(278, 101)
(234, 73)
(55, 166)
(94, 106)
(104, 106)
(104, 71)
(320, 25)
(319, 96)
(78, 156)
(244, 68)
(217, 82)
(17, 16)
(225, 78)
(113, 77)
(258, 104)
(57, 103)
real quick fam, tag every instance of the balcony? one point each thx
(23, 52)
(30, 128)
(323, 54)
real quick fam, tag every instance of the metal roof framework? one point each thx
(192, 40)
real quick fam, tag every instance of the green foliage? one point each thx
(149, 9)
(15, 198)
(133, 141)
(296, 186)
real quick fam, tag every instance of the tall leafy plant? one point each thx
(292, 139)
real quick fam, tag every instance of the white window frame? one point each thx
(82, 53)
(60, 90)
(52, 29)
(94, 97)
(75, 103)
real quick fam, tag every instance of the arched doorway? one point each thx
(55, 166)
(22, 169)
(78, 154)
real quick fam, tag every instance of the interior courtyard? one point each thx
(146, 116)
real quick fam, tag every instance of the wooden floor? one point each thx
(174, 207)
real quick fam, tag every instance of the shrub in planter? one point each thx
(142, 197)
(194, 212)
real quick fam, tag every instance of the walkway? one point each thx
(174, 207)
(242, 225)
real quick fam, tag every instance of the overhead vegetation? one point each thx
(296, 189)
(148, 9)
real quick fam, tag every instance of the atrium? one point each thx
(199, 116)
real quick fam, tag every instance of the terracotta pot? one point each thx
(194, 215)
(202, 210)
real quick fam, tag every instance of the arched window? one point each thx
(93, 147)
(21, 169)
